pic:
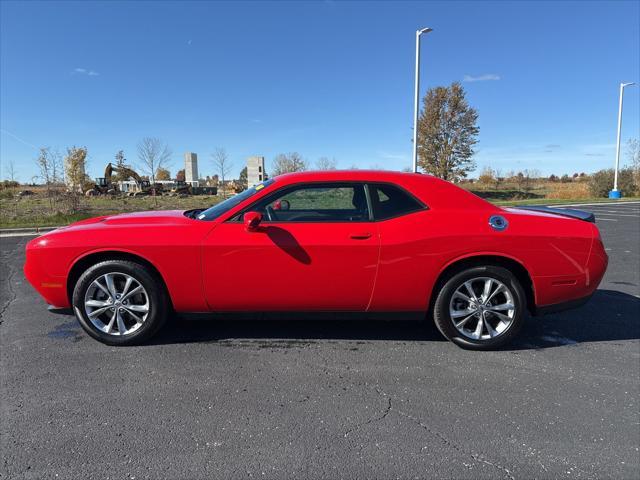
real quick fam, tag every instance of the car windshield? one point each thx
(222, 207)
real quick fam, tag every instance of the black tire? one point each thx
(441, 310)
(158, 303)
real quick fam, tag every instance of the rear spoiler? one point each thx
(565, 212)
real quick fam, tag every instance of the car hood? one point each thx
(163, 217)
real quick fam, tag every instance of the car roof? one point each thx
(360, 175)
(431, 190)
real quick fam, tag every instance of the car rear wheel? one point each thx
(120, 302)
(480, 308)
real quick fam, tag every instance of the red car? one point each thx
(365, 241)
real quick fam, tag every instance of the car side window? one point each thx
(389, 201)
(316, 203)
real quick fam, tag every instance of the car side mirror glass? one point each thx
(252, 221)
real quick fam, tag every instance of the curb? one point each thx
(26, 231)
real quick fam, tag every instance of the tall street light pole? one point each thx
(615, 193)
(416, 98)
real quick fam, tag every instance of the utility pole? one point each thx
(416, 98)
(615, 193)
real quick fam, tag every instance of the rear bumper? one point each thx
(563, 292)
(561, 307)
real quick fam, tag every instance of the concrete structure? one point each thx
(255, 171)
(191, 168)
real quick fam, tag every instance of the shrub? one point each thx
(567, 191)
(601, 182)
(487, 176)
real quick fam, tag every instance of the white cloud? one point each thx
(481, 78)
(84, 71)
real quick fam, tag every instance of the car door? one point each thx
(316, 249)
(407, 250)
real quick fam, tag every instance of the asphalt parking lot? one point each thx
(326, 398)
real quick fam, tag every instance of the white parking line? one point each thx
(619, 204)
(616, 215)
(613, 210)
(606, 219)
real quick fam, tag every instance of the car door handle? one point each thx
(360, 236)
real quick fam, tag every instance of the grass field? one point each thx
(37, 211)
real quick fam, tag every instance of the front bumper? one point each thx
(52, 288)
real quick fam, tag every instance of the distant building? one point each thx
(255, 171)
(191, 168)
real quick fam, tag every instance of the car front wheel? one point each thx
(120, 302)
(480, 308)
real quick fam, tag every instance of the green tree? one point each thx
(75, 163)
(242, 179)
(447, 133)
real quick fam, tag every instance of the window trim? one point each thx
(237, 218)
(421, 205)
(286, 188)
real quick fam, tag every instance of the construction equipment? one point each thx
(181, 187)
(104, 185)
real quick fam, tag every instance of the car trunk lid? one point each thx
(563, 212)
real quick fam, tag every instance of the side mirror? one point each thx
(252, 221)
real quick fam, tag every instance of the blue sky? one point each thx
(325, 78)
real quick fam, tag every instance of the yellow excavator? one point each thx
(104, 185)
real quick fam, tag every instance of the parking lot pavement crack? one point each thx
(376, 418)
(477, 457)
(12, 294)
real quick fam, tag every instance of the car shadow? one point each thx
(609, 316)
(288, 243)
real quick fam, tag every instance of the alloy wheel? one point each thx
(116, 303)
(482, 308)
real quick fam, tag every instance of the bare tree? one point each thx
(487, 176)
(324, 163)
(153, 153)
(633, 156)
(45, 164)
(121, 166)
(286, 163)
(497, 178)
(222, 166)
(11, 171)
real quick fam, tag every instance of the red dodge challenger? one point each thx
(344, 241)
